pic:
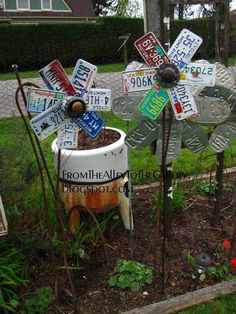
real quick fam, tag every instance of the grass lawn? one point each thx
(188, 163)
(223, 305)
(103, 68)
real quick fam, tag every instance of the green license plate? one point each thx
(154, 102)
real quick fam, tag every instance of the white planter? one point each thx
(94, 179)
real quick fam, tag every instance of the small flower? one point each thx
(226, 244)
(233, 262)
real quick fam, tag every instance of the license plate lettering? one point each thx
(198, 74)
(151, 50)
(98, 99)
(184, 47)
(154, 102)
(91, 122)
(139, 80)
(68, 136)
(49, 121)
(83, 76)
(182, 102)
(40, 100)
(55, 78)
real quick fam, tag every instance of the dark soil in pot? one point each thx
(105, 137)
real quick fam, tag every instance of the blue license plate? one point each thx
(91, 122)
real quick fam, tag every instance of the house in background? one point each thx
(32, 11)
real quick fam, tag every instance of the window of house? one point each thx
(46, 5)
(23, 4)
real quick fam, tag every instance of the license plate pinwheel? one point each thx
(168, 79)
(68, 105)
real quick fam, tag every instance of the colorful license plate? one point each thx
(56, 79)
(154, 102)
(98, 99)
(83, 76)
(151, 50)
(49, 121)
(40, 100)
(67, 136)
(91, 122)
(198, 74)
(3, 220)
(182, 102)
(138, 80)
(184, 47)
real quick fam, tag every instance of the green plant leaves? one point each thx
(131, 275)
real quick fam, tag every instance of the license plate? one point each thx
(83, 76)
(194, 137)
(40, 100)
(151, 50)
(184, 47)
(182, 102)
(154, 102)
(98, 99)
(174, 146)
(141, 136)
(67, 136)
(138, 80)
(198, 74)
(56, 79)
(211, 111)
(3, 220)
(49, 121)
(91, 122)
(224, 76)
(221, 136)
(125, 107)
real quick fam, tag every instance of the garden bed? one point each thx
(194, 231)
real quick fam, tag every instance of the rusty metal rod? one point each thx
(39, 166)
(96, 222)
(64, 235)
(15, 68)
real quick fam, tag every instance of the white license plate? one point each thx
(83, 76)
(182, 102)
(198, 74)
(3, 220)
(98, 99)
(184, 47)
(40, 100)
(49, 121)
(67, 136)
(139, 80)
(56, 79)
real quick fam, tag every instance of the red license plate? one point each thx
(151, 50)
(56, 79)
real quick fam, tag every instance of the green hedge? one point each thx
(32, 46)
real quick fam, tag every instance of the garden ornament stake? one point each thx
(3, 220)
(67, 106)
(189, 87)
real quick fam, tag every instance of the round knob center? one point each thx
(76, 108)
(168, 75)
